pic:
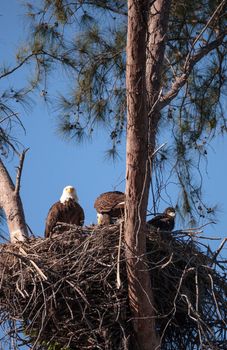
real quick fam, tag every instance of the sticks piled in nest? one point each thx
(63, 291)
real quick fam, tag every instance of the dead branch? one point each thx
(19, 171)
(11, 203)
(219, 250)
(218, 9)
(190, 63)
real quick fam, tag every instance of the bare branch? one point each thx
(19, 171)
(11, 203)
(111, 8)
(219, 8)
(158, 149)
(17, 67)
(219, 250)
(119, 256)
(39, 271)
(8, 117)
(181, 80)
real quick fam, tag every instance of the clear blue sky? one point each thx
(51, 163)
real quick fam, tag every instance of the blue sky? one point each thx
(52, 163)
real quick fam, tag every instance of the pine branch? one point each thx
(59, 58)
(17, 67)
(105, 6)
(218, 9)
(181, 80)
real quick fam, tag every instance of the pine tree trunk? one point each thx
(147, 28)
(140, 293)
(157, 29)
(11, 203)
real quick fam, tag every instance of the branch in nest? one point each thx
(79, 305)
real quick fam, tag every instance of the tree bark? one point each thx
(157, 30)
(139, 283)
(147, 27)
(11, 203)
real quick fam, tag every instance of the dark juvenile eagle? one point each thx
(109, 207)
(66, 210)
(164, 221)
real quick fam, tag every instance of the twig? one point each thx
(19, 171)
(30, 230)
(42, 275)
(155, 103)
(180, 81)
(215, 299)
(219, 250)
(202, 31)
(197, 229)
(8, 117)
(118, 257)
(4, 74)
(168, 262)
(158, 149)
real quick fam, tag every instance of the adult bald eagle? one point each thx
(109, 207)
(165, 221)
(66, 210)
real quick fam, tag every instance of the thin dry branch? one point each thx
(218, 9)
(39, 271)
(26, 59)
(19, 171)
(219, 250)
(189, 65)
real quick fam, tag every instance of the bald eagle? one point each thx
(109, 207)
(66, 210)
(164, 221)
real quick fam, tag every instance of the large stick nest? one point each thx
(62, 292)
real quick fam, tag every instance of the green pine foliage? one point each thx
(88, 39)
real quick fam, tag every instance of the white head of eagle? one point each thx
(69, 192)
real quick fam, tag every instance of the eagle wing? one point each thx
(70, 212)
(109, 201)
(54, 216)
(163, 222)
(75, 214)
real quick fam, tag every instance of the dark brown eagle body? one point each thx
(109, 206)
(69, 212)
(165, 221)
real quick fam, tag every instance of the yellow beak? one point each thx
(70, 190)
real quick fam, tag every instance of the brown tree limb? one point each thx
(191, 62)
(218, 9)
(105, 5)
(11, 203)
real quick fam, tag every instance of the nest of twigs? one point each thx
(62, 292)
